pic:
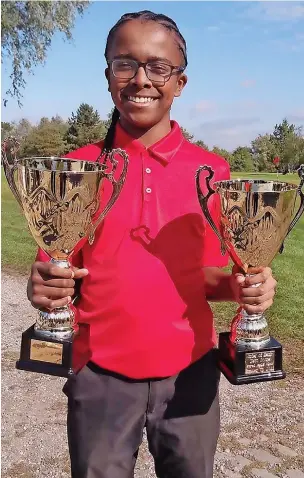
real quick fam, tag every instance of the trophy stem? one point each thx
(252, 330)
(57, 323)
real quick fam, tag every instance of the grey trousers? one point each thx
(107, 414)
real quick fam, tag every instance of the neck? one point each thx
(149, 136)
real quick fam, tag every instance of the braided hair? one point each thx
(144, 15)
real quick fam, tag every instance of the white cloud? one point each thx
(276, 11)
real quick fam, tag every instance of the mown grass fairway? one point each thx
(285, 317)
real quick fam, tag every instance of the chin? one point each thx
(142, 121)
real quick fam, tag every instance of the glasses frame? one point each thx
(174, 69)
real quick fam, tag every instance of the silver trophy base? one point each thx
(56, 323)
(252, 331)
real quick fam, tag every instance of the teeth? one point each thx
(141, 99)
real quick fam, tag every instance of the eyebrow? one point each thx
(151, 58)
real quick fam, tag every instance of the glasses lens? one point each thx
(158, 72)
(125, 69)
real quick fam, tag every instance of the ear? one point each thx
(107, 75)
(181, 83)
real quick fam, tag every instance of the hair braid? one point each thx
(109, 139)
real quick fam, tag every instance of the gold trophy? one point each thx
(256, 217)
(60, 199)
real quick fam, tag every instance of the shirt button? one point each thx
(148, 170)
(148, 190)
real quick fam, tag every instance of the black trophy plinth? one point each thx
(241, 364)
(62, 358)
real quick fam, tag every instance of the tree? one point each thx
(187, 135)
(19, 130)
(201, 144)
(108, 121)
(7, 129)
(288, 143)
(84, 127)
(223, 153)
(242, 159)
(282, 131)
(263, 152)
(23, 128)
(27, 30)
(46, 139)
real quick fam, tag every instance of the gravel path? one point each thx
(262, 424)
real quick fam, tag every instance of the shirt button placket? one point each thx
(147, 179)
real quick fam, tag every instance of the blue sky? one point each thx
(246, 68)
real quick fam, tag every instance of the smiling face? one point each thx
(141, 102)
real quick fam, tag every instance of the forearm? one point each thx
(218, 285)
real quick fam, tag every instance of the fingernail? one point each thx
(69, 299)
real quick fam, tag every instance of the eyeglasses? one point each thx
(157, 71)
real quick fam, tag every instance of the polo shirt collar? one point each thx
(164, 150)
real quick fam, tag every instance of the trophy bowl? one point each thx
(255, 218)
(60, 199)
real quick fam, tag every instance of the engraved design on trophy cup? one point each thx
(60, 199)
(256, 216)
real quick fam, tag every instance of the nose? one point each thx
(140, 79)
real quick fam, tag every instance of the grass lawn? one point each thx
(285, 317)
(18, 246)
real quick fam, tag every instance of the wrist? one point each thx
(220, 286)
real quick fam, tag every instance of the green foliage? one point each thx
(263, 151)
(201, 144)
(223, 153)
(20, 129)
(286, 142)
(46, 139)
(27, 30)
(84, 127)
(108, 121)
(7, 129)
(241, 159)
(289, 143)
(55, 137)
(188, 136)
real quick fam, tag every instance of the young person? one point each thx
(147, 279)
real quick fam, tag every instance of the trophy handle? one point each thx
(9, 148)
(301, 207)
(203, 200)
(117, 186)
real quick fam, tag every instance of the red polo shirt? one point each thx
(144, 297)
